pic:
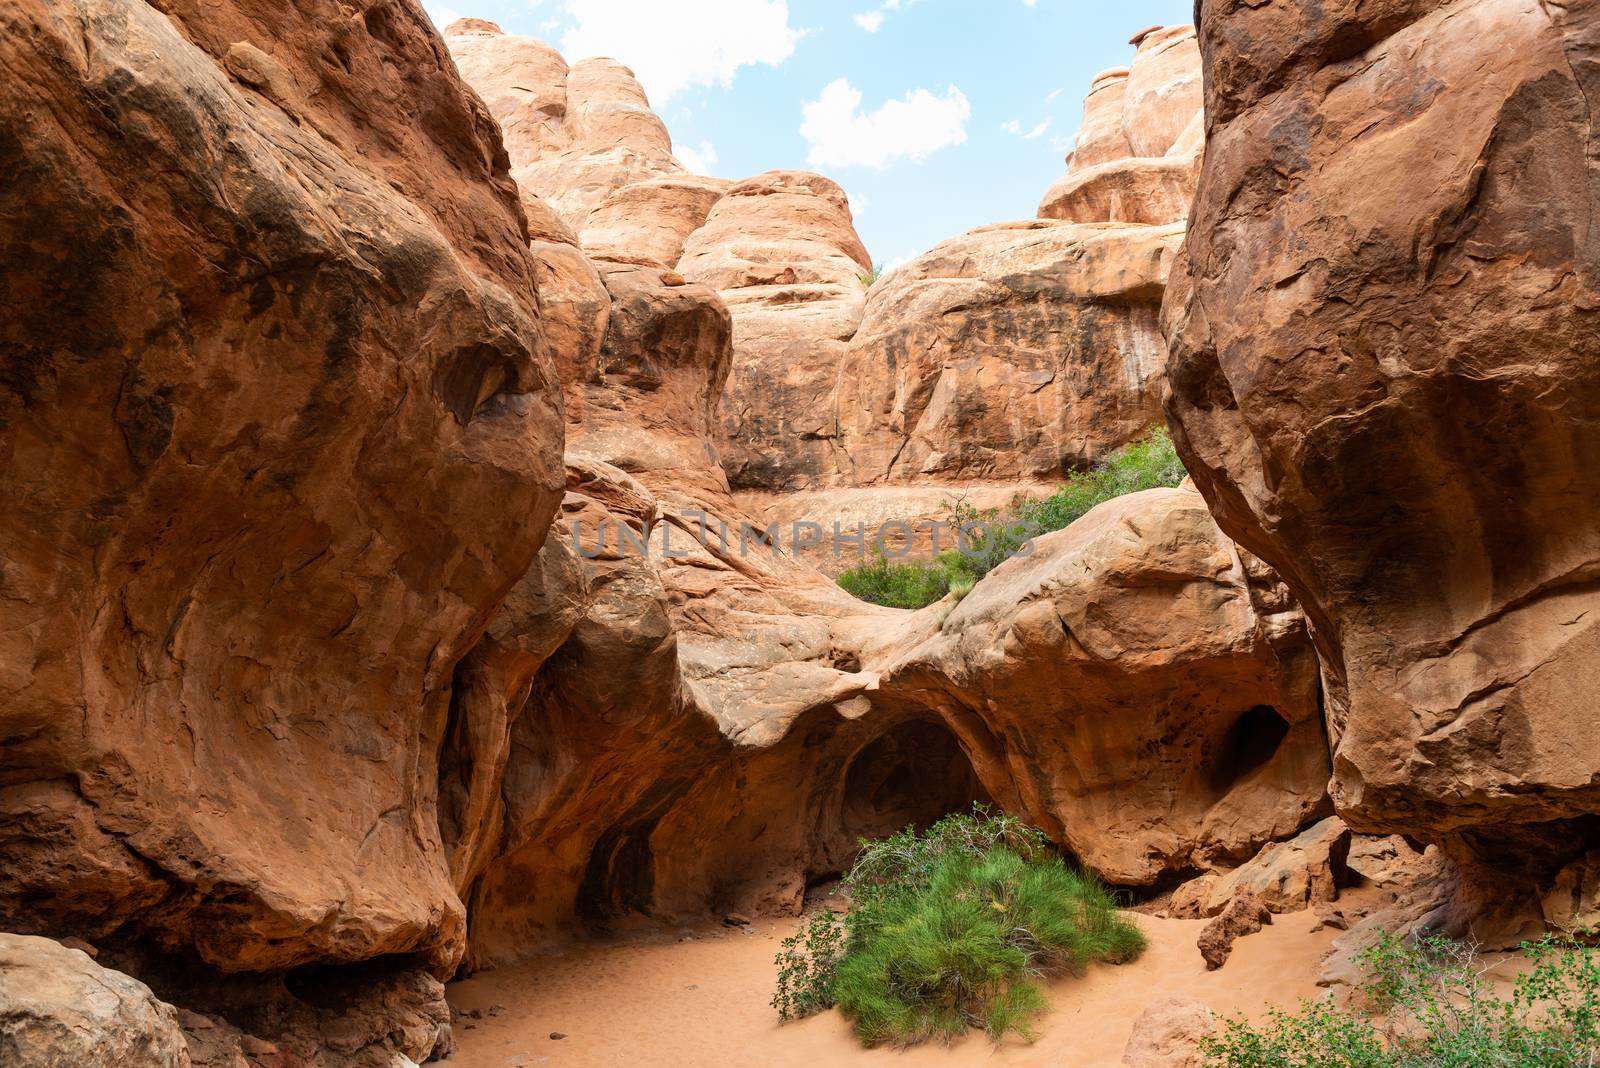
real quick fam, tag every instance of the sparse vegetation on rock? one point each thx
(994, 537)
(946, 932)
(1427, 1004)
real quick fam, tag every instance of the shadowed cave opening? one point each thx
(1248, 744)
(913, 774)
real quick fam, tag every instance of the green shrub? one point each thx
(1426, 1005)
(1148, 463)
(913, 585)
(947, 930)
(871, 277)
(994, 536)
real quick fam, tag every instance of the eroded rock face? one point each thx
(1137, 155)
(575, 135)
(782, 250)
(1121, 687)
(1384, 381)
(281, 430)
(649, 221)
(1016, 352)
(59, 1009)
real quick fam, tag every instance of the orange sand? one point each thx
(703, 1003)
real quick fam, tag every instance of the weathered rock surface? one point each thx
(1121, 687)
(722, 723)
(1303, 872)
(281, 430)
(59, 1009)
(575, 135)
(782, 251)
(1138, 150)
(1169, 1035)
(649, 221)
(1384, 381)
(265, 415)
(1015, 352)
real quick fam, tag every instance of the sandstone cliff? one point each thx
(1384, 349)
(281, 429)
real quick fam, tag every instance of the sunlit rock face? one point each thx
(781, 248)
(1138, 151)
(1384, 380)
(281, 428)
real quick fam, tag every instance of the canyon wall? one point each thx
(305, 711)
(281, 428)
(1384, 352)
(672, 717)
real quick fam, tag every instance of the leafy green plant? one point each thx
(912, 585)
(1426, 1004)
(947, 931)
(807, 963)
(1151, 462)
(872, 276)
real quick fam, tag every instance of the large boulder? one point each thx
(59, 1009)
(281, 431)
(1135, 687)
(1386, 381)
(1016, 352)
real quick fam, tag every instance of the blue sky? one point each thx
(936, 115)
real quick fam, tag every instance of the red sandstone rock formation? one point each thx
(575, 135)
(1385, 343)
(296, 672)
(782, 250)
(1014, 353)
(280, 431)
(1137, 155)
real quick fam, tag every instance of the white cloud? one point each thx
(699, 159)
(858, 203)
(1013, 126)
(842, 135)
(441, 15)
(872, 21)
(1054, 93)
(670, 52)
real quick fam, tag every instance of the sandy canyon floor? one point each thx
(698, 998)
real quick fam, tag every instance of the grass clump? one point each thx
(948, 930)
(988, 538)
(1426, 1004)
(871, 277)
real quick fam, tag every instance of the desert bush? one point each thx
(948, 930)
(1426, 1004)
(1151, 462)
(994, 536)
(912, 585)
